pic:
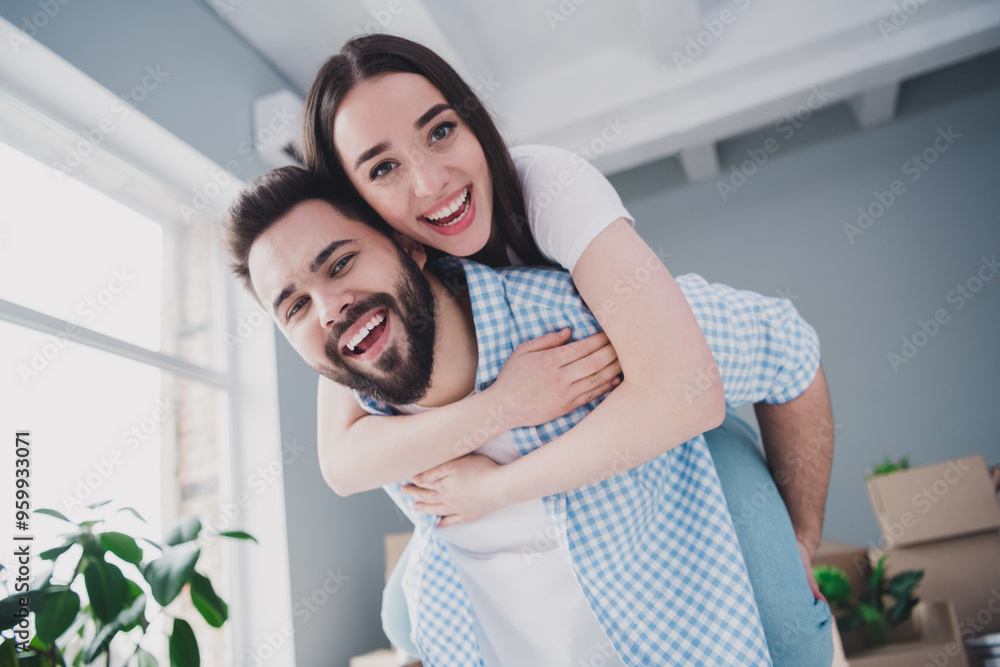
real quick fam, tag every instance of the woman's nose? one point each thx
(429, 177)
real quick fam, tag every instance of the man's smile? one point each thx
(368, 336)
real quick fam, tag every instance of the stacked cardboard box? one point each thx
(944, 519)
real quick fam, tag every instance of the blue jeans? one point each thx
(798, 628)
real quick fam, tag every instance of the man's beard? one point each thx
(402, 378)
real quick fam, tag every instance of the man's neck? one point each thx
(456, 353)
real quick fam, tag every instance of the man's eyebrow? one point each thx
(325, 253)
(429, 114)
(317, 262)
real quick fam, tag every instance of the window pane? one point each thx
(74, 253)
(108, 428)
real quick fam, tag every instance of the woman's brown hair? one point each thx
(369, 56)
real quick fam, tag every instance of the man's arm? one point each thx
(798, 441)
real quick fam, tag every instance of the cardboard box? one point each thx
(935, 502)
(938, 643)
(965, 570)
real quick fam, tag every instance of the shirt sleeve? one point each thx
(764, 350)
(567, 200)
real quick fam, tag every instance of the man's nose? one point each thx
(330, 306)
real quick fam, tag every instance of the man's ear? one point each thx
(415, 249)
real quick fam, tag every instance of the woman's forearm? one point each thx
(371, 451)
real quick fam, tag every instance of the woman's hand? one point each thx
(459, 490)
(547, 377)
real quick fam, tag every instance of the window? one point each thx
(125, 358)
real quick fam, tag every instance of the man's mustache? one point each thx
(351, 317)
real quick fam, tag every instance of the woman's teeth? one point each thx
(440, 215)
(365, 330)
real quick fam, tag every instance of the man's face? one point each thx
(354, 304)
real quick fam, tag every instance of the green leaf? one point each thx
(57, 613)
(12, 605)
(186, 530)
(143, 659)
(126, 618)
(105, 588)
(158, 546)
(8, 653)
(902, 585)
(183, 646)
(122, 546)
(100, 504)
(238, 534)
(833, 584)
(134, 513)
(52, 554)
(168, 573)
(900, 611)
(212, 607)
(54, 513)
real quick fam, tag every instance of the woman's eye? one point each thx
(442, 131)
(381, 169)
(296, 307)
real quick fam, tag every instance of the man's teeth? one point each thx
(450, 208)
(365, 330)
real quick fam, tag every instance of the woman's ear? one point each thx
(415, 249)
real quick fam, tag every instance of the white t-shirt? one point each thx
(528, 607)
(567, 201)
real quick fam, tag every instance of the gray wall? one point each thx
(782, 230)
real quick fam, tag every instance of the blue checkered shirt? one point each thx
(654, 548)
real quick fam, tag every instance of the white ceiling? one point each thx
(563, 72)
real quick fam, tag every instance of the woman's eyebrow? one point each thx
(418, 125)
(429, 114)
(370, 153)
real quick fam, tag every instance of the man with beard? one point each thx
(640, 567)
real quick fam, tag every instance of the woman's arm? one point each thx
(544, 379)
(671, 390)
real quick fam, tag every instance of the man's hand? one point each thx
(807, 561)
(459, 490)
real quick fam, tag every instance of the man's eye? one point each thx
(381, 169)
(298, 305)
(442, 131)
(341, 265)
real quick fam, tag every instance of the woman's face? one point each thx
(416, 162)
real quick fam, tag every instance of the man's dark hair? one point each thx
(270, 197)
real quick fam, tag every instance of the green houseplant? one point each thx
(887, 602)
(73, 631)
(888, 465)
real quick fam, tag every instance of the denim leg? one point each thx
(797, 627)
(395, 617)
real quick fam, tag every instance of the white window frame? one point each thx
(36, 81)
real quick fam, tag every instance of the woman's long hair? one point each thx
(369, 56)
